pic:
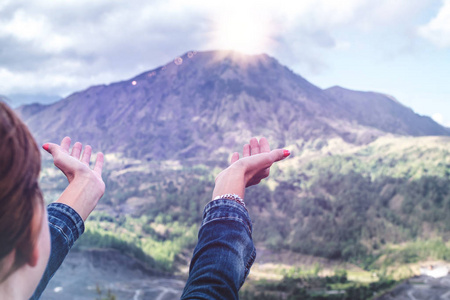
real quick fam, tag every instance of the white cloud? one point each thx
(438, 29)
(67, 45)
(342, 45)
(36, 29)
(24, 27)
(439, 118)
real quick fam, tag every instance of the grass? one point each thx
(361, 276)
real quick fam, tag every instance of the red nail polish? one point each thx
(45, 146)
(286, 153)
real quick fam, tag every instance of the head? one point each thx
(24, 236)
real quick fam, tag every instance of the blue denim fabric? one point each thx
(224, 253)
(66, 226)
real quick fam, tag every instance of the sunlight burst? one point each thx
(247, 34)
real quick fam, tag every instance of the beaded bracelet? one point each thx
(233, 197)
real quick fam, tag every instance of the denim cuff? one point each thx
(65, 220)
(226, 209)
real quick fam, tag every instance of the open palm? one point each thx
(74, 165)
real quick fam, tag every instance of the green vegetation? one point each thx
(352, 217)
(311, 287)
(156, 244)
(416, 251)
(399, 157)
(357, 205)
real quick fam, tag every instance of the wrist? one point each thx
(230, 181)
(83, 194)
(233, 197)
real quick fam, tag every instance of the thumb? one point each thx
(49, 147)
(279, 154)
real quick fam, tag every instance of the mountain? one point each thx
(188, 107)
(363, 181)
(384, 112)
(17, 100)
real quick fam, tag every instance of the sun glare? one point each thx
(242, 33)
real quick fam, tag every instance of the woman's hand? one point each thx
(249, 170)
(86, 185)
(74, 164)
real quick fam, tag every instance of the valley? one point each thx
(365, 189)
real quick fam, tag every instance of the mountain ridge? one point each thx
(384, 105)
(349, 189)
(19, 99)
(203, 99)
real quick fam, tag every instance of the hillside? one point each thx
(16, 100)
(384, 112)
(367, 180)
(188, 107)
(342, 201)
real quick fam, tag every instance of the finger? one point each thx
(264, 145)
(99, 164)
(65, 144)
(234, 157)
(76, 150)
(246, 150)
(279, 154)
(259, 162)
(253, 182)
(265, 160)
(86, 158)
(254, 146)
(50, 147)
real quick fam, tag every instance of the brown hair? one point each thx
(20, 196)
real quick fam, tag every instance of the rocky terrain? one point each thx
(91, 274)
(420, 288)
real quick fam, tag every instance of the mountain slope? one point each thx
(187, 108)
(351, 187)
(384, 112)
(17, 100)
(342, 201)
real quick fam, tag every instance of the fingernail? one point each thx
(45, 146)
(286, 153)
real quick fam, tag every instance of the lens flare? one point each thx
(178, 61)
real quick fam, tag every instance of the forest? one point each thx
(375, 208)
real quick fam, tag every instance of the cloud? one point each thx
(438, 29)
(439, 118)
(57, 47)
(64, 46)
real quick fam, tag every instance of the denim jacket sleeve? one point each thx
(224, 253)
(66, 226)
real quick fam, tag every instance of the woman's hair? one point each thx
(20, 196)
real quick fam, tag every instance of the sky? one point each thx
(400, 48)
